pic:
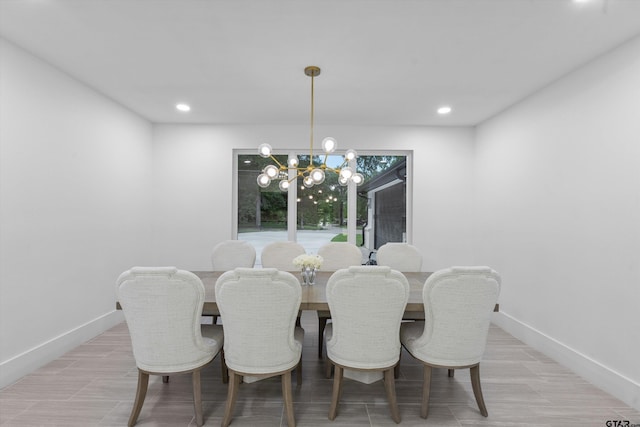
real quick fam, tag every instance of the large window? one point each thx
(378, 208)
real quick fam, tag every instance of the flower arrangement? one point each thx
(305, 260)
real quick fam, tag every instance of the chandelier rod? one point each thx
(312, 71)
(311, 136)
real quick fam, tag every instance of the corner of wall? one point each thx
(599, 375)
(15, 368)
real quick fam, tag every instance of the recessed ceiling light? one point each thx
(445, 109)
(183, 107)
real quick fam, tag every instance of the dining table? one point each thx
(314, 296)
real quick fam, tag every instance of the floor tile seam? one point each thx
(366, 408)
(453, 414)
(114, 411)
(20, 413)
(576, 407)
(22, 399)
(92, 382)
(282, 416)
(96, 399)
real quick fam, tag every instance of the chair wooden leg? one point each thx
(141, 392)
(232, 394)
(426, 390)
(299, 373)
(450, 373)
(197, 396)
(390, 388)
(328, 367)
(322, 323)
(223, 367)
(337, 391)
(287, 396)
(477, 389)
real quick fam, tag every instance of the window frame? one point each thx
(351, 193)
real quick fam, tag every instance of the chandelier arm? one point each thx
(278, 163)
(299, 174)
(345, 162)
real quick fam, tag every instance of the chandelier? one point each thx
(313, 174)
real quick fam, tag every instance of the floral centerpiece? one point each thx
(309, 264)
(305, 260)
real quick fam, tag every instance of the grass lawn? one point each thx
(343, 238)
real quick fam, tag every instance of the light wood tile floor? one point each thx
(94, 385)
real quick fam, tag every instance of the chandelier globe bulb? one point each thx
(350, 154)
(317, 175)
(271, 171)
(263, 180)
(284, 185)
(307, 181)
(357, 178)
(264, 150)
(329, 145)
(346, 173)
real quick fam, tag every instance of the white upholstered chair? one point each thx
(280, 255)
(458, 303)
(231, 254)
(366, 306)
(400, 256)
(336, 256)
(258, 309)
(162, 307)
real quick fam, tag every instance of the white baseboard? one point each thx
(596, 373)
(15, 368)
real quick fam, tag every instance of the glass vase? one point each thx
(308, 275)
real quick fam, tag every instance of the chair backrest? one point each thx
(400, 256)
(232, 254)
(259, 308)
(458, 303)
(367, 304)
(338, 255)
(163, 307)
(280, 255)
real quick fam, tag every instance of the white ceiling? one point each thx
(386, 62)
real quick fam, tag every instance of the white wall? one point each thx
(193, 173)
(558, 202)
(75, 175)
